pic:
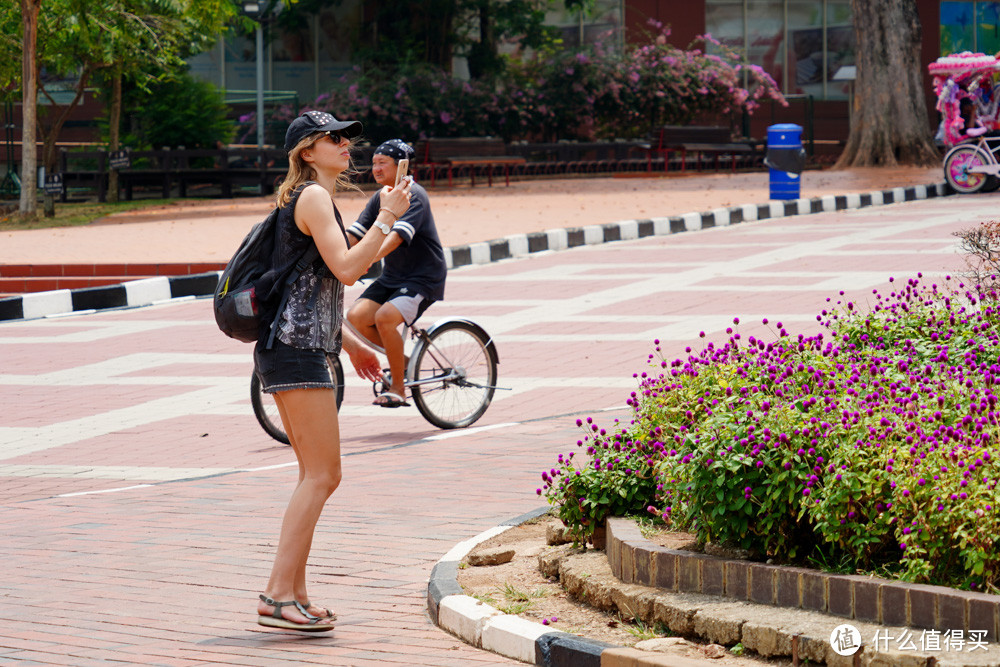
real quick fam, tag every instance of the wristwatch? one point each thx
(384, 227)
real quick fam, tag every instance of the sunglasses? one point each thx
(336, 136)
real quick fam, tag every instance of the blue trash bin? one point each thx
(785, 160)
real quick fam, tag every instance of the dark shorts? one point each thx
(410, 303)
(284, 367)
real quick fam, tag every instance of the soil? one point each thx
(519, 587)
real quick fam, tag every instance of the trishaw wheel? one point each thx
(957, 163)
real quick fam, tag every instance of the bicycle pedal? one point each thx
(379, 387)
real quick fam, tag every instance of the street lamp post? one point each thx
(255, 10)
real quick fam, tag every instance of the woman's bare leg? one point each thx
(300, 577)
(310, 419)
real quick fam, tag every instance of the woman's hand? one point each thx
(396, 199)
(363, 358)
(366, 364)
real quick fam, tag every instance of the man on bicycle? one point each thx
(413, 276)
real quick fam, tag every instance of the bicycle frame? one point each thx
(456, 397)
(425, 335)
(437, 355)
(989, 147)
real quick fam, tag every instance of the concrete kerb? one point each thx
(485, 627)
(480, 625)
(150, 291)
(767, 630)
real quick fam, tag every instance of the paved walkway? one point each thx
(141, 502)
(209, 230)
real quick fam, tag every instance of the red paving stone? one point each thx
(158, 564)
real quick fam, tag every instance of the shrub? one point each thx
(556, 94)
(657, 83)
(869, 444)
(179, 111)
(618, 480)
(981, 245)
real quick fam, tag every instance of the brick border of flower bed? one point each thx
(636, 560)
(154, 290)
(482, 626)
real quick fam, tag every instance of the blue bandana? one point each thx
(397, 149)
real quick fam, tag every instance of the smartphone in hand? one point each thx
(401, 169)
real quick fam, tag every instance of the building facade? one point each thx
(802, 44)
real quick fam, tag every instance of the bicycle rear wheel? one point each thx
(454, 374)
(266, 410)
(957, 163)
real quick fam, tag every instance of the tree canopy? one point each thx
(405, 34)
(80, 40)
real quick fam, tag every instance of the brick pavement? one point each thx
(141, 501)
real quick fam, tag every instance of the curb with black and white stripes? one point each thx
(151, 291)
(145, 292)
(482, 626)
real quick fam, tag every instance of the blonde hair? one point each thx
(300, 171)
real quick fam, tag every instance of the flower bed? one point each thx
(868, 447)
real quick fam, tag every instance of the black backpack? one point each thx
(247, 296)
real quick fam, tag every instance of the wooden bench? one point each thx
(700, 140)
(471, 152)
(226, 168)
(231, 167)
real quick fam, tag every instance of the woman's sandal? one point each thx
(329, 614)
(276, 620)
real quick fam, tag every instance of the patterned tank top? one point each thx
(313, 317)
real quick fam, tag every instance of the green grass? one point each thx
(641, 631)
(515, 594)
(75, 214)
(486, 599)
(513, 600)
(649, 526)
(514, 608)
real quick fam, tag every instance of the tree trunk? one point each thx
(484, 61)
(29, 103)
(889, 122)
(115, 116)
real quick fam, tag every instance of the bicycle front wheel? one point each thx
(266, 410)
(454, 375)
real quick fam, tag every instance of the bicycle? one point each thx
(451, 375)
(973, 167)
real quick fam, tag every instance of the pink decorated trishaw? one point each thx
(967, 97)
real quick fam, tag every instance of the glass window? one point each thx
(800, 43)
(839, 47)
(724, 22)
(806, 62)
(766, 37)
(957, 32)
(988, 27)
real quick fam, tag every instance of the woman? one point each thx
(294, 369)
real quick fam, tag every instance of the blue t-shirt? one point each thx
(419, 262)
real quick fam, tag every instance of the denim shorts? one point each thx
(284, 367)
